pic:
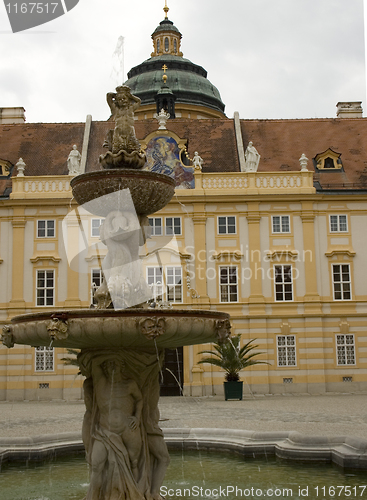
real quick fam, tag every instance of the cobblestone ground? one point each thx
(334, 414)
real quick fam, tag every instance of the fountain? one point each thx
(122, 340)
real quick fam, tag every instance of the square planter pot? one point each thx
(233, 390)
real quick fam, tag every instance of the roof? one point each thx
(45, 147)
(187, 80)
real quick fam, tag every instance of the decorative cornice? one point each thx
(39, 258)
(236, 254)
(279, 253)
(340, 251)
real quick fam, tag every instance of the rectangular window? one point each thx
(338, 224)
(173, 226)
(45, 289)
(227, 225)
(95, 225)
(286, 350)
(283, 283)
(281, 224)
(345, 349)
(155, 281)
(341, 282)
(228, 284)
(96, 277)
(45, 229)
(174, 284)
(44, 359)
(156, 226)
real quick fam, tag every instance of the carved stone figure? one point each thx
(7, 336)
(20, 167)
(197, 161)
(162, 118)
(124, 445)
(123, 146)
(252, 158)
(57, 329)
(223, 330)
(303, 162)
(73, 162)
(152, 327)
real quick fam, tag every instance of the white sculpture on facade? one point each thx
(303, 162)
(197, 161)
(162, 118)
(252, 158)
(73, 162)
(20, 167)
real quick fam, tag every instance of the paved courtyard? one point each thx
(333, 414)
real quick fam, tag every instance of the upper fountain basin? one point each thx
(149, 191)
(128, 328)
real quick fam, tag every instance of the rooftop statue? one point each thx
(252, 158)
(74, 161)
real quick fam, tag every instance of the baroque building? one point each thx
(268, 223)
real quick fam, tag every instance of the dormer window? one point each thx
(166, 44)
(5, 168)
(328, 160)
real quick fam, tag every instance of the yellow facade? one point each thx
(284, 261)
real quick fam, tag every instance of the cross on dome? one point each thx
(166, 9)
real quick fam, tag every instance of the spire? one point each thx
(166, 9)
(165, 98)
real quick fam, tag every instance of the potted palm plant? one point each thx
(232, 359)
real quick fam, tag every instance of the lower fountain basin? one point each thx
(128, 328)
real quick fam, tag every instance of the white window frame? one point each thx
(228, 285)
(174, 289)
(156, 229)
(283, 285)
(345, 349)
(96, 276)
(94, 230)
(286, 350)
(174, 227)
(46, 297)
(166, 283)
(44, 359)
(155, 280)
(284, 224)
(49, 230)
(224, 222)
(337, 221)
(342, 286)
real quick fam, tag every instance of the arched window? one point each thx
(166, 44)
(158, 45)
(329, 163)
(175, 45)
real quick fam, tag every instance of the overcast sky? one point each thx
(268, 58)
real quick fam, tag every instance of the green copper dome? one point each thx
(187, 81)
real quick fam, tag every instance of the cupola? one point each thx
(166, 38)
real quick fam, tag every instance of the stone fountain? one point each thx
(122, 340)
